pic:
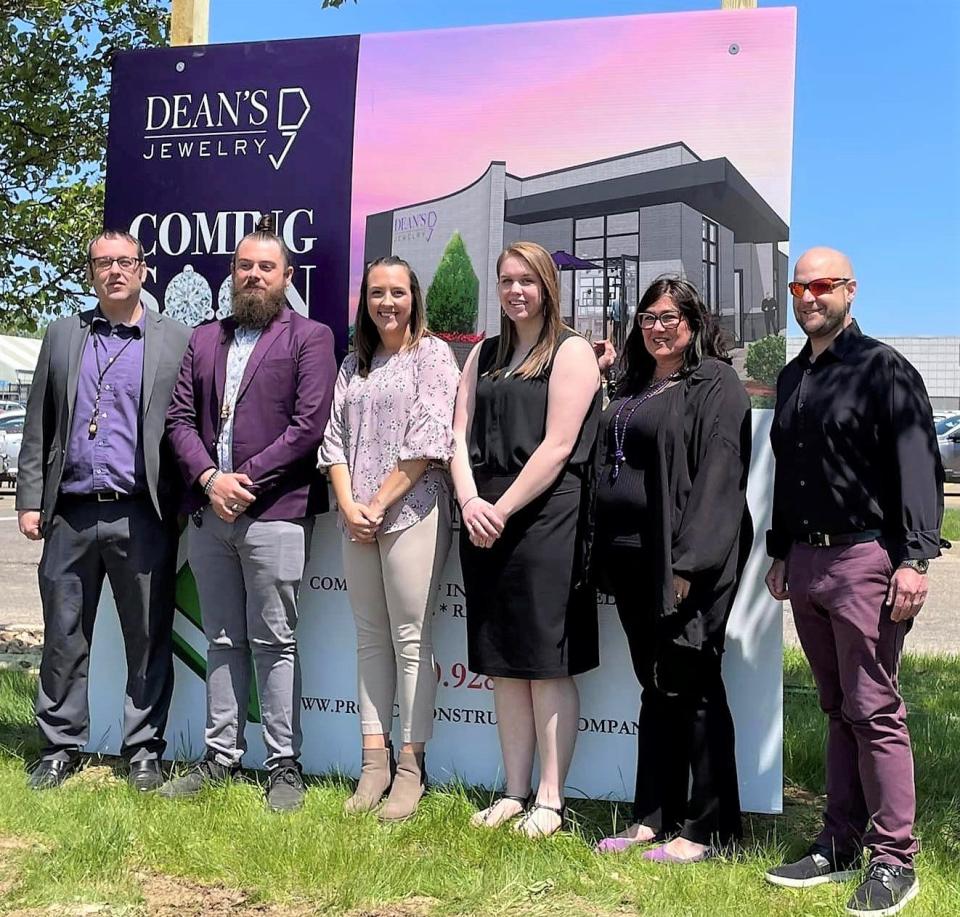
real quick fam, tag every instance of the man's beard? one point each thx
(256, 308)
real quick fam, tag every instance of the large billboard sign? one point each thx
(204, 140)
(627, 146)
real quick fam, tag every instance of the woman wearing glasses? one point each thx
(671, 535)
(525, 425)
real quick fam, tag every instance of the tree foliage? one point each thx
(766, 357)
(454, 293)
(55, 61)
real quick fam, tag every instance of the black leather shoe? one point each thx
(145, 775)
(49, 773)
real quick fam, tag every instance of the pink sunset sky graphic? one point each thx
(435, 108)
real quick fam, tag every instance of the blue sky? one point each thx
(876, 162)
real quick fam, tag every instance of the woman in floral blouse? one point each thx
(387, 447)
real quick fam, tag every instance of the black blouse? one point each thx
(510, 418)
(621, 516)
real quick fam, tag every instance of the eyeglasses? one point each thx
(126, 263)
(816, 287)
(668, 320)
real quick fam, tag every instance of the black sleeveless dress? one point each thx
(529, 613)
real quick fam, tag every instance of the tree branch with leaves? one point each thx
(55, 59)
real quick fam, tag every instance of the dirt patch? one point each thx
(411, 907)
(797, 795)
(10, 848)
(167, 896)
(96, 775)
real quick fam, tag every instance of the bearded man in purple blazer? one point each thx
(246, 419)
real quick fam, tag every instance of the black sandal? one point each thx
(562, 812)
(524, 804)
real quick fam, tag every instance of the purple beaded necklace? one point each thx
(619, 434)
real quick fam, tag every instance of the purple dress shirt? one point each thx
(112, 459)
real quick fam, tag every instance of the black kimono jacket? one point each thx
(699, 521)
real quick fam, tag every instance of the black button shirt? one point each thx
(856, 449)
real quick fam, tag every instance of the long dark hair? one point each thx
(366, 337)
(706, 337)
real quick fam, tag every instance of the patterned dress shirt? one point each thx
(244, 340)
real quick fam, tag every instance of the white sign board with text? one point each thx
(465, 744)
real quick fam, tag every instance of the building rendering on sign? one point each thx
(631, 218)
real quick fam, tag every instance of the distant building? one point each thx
(18, 360)
(632, 217)
(937, 359)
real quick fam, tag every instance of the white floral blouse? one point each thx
(402, 410)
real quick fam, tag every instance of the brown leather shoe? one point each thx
(408, 787)
(376, 774)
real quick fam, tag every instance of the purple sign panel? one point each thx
(203, 140)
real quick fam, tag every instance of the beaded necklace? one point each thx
(620, 434)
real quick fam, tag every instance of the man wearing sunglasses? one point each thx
(97, 484)
(857, 508)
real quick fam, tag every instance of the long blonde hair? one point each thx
(538, 259)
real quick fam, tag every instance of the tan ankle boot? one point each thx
(376, 772)
(408, 787)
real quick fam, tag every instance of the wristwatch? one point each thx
(921, 565)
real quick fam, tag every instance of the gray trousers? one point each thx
(248, 576)
(128, 543)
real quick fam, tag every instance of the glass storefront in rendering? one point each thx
(604, 297)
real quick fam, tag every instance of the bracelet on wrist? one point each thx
(463, 505)
(209, 485)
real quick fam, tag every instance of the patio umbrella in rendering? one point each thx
(567, 262)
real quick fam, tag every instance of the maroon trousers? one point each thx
(854, 649)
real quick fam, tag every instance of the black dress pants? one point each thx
(686, 768)
(128, 543)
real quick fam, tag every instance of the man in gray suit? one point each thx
(97, 485)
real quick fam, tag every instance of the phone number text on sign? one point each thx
(459, 676)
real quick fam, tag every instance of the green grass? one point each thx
(96, 842)
(951, 524)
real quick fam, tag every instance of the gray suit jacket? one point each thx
(54, 393)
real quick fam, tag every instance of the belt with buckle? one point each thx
(100, 496)
(825, 540)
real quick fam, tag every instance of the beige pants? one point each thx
(392, 585)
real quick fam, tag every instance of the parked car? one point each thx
(948, 439)
(11, 435)
(947, 423)
(8, 404)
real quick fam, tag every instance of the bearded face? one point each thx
(255, 307)
(260, 278)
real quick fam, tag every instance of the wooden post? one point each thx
(189, 22)
(738, 4)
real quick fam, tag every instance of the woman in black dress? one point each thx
(671, 535)
(525, 424)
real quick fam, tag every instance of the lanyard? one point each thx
(101, 372)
